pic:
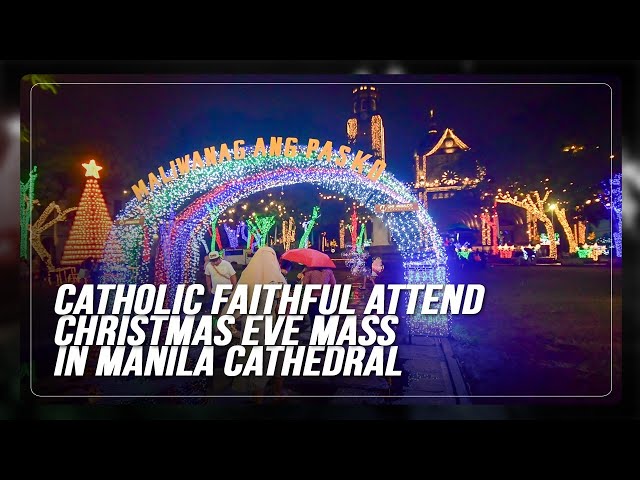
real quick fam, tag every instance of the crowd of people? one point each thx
(265, 268)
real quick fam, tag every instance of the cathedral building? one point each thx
(447, 180)
(365, 131)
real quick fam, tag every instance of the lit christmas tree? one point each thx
(92, 223)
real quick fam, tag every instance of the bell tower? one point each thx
(365, 130)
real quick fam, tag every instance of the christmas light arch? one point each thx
(179, 212)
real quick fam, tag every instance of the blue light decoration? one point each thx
(355, 260)
(225, 183)
(232, 235)
(243, 232)
(613, 188)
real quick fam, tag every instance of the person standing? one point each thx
(317, 276)
(367, 273)
(285, 269)
(263, 269)
(218, 272)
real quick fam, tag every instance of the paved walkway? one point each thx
(430, 376)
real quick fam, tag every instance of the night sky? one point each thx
(507, 126)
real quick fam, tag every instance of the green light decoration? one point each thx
(360, 242)
(544, 238)
(252, 232)
(26, 207)
(308, 226)
(215, 213)
(262, 226)
(464, 254)
(45, 82)
(584, 252)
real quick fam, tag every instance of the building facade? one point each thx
(365, 129)
(447, 180)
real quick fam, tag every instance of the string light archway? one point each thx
(225, 184)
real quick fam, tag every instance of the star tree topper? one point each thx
(92, 169)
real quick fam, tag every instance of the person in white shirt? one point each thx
(219, 272)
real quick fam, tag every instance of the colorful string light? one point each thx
(571, 240)
(352, 130)
(534, 204)
(377, 136)
(39, 226)
(261, 227)
(92, 223)
(26, 207)
(288, 233)
(615, 205)
(308, 226)
(232, 235)
(227, 183)
(580, 232)
(354, 228)
(532, 227)
(360, 241)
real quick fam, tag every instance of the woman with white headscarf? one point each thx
(263, 269)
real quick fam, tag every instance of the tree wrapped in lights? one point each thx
(535, 205)
(356, 261)
(580, 232)
(490, 228)
(41, 225)
(232, 235)
(261, 227)
(613, 188)
(26, 207)
(308, 226)
(562, 218)
(288, 233)
(243, 231)
(215, 213)
(342, 233)
(354, 228)
(218, 238)
(532, 227)
(252, 233)
(92, 223)
(360, 241)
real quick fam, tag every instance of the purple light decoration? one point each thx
(231, 235)
(616, 205)
(613, 189)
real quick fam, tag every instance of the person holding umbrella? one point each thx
(318, 271)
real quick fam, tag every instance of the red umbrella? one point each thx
(309, 257)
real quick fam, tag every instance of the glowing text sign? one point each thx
(277, 147)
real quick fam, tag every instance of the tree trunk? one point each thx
(553, 248)
(562, 218)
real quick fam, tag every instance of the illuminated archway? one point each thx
(180, 211)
